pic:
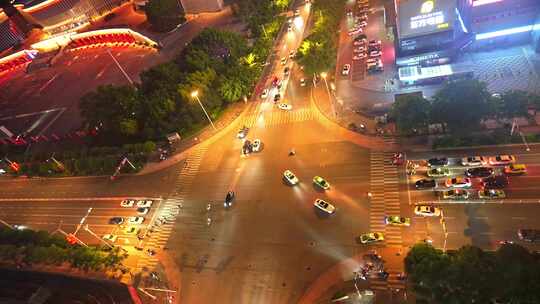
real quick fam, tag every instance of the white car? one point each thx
(264, 94)
(324, 206)
(110, 237)
(426, 210)
(127, 203)
(302, 82)
(292, 54)
(284, 60)
(135, 220)
(290, 177)
(362, 23)
(359, 56)
(474, 161)
(360, 49)
(375, 54)
(375, 43)
(458, 182)
(502, 160)
(285, 106)
(346, 69)
(256, 146)
(145, 203)
(374, 60)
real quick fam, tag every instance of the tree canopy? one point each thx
(471, 275)
(164, 15)
(461, 105)
(411, 112)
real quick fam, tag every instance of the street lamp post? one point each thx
(195, 94)
(324, 75)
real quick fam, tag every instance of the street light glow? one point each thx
(323, 75)
(194, 94)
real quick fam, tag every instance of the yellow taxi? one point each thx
(515, 169)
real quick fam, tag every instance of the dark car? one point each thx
(479, 172)
(116, 220)
(248, 147)
(277, 97)
(425, 184)
(529, 235)
(229, 199)
(442, 161)
(496, 182)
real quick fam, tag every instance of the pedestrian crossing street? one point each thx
(278, 117)
(171, 208)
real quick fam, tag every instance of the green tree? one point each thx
(461, 105)
(164, 15)
(513, 103)
(108, 107)
(411, 111)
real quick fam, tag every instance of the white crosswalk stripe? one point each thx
(171, 206)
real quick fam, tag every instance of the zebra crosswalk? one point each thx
(384, 196)
(275, 118)
(161, 229)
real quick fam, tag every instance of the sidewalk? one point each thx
(225, 122)
(322, 103)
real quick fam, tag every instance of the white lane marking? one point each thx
(43, 87)
(101, 73)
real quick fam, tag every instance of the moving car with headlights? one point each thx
(135, 220)
(290, 177)
(425, 184)
(515, 169)
(256, 146)
(372, 237)
(458, 182)
(427, 210)
(437, 161)
(116, 220)
(495, 182)
(474, 161)
(438, 172)
(346, 69)
(110, 237)
(504, 159)
(479, 172)
(321, 182)
(529, 235)
(455, 194)
(285, 106)
(324, 206)
(242, 133)
(491, 194)
(229, 199)
(127, 203)
(397, 220)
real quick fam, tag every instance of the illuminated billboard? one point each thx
(421, 17)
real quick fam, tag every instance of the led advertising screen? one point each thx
(421, 17)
